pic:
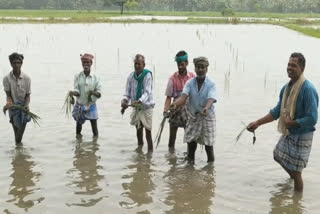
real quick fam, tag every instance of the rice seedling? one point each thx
(35, 118)
(68, 104)
(243, 130)
(169, 115)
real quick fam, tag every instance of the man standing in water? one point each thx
(201, 125)
(297, 110)
(139, 92)
(87, 89)
(17, 86)
(174, 90)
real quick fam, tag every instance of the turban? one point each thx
(201, 60)
(183, 58)
(86, 56)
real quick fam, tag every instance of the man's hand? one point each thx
(288, 122)
(124, 104)
(165, 113)
(26, 108)
(137, 102)
(7, 106)
(94, 93)
(72, 93)
(253, 126)
(205, 112)
(173, 107)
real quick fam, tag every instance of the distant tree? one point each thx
(131, 4)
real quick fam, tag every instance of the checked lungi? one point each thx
(201, 129)
(180, 118)
(292, 151)
(81, 113)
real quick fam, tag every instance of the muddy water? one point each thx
(55, 173)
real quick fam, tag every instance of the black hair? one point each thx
(301, 59)
(181, 53)
(14, 56)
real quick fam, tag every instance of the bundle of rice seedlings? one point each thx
(158, 136)
(163, 122)
(35, 118)
(240, 134)
(68, 104)
(89, 97)
(242, 131)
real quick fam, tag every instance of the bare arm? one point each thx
(167, 104)
(266, 119)
(27, 100)
(208, 105)
(180, 101)
(9, 98)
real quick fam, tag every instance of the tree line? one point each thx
(278, 6)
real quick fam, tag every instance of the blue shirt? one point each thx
(199, 98)
(306, 108)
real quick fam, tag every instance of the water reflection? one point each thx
(284, 200)
(139, 189)
(85, 173)
(189, 190)
(24, 183)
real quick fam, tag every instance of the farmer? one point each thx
(174, 90)
(139, 93)
(201, 125)
(17, 86)
(87, 89)
(297, 110)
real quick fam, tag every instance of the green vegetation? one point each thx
(298, 21)
(305, 30)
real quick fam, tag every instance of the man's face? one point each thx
(182, 66)
(201, 71)
(16, 64)
(294, 70)
(139, 65)
(86, 64)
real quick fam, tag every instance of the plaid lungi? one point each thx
(179, 119)
(292, 151)
(201, 129)
(81, 113)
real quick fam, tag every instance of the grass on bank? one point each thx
(297, 22)
(110, 13)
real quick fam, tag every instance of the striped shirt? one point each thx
(147, 91)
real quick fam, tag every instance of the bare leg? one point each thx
(78, 130)
(15, 132)
(140, 136)
(192, 147)
(298, 182)
(172, 136)
(20, 133)
(94, 127)
(149, 140)
(210, 154)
